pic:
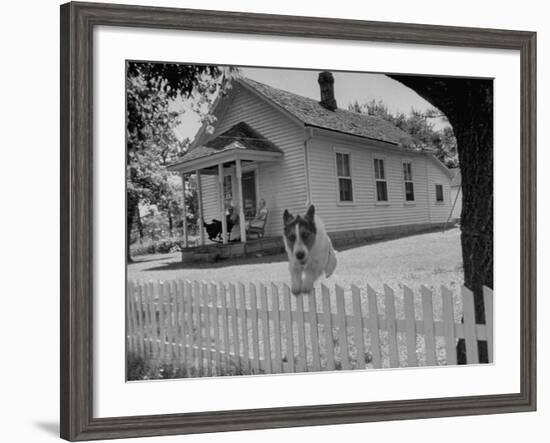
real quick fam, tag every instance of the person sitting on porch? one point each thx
(257, 224)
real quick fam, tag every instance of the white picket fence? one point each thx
(210, 329)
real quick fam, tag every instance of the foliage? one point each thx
(420, 125)
(152, 88)
(161, 246)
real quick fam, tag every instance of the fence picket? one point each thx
(428, 320)
(410, 326)
(275, 311)
(129, 317)
(234, 327)
(141, 320)
(314, 332)
(154, 326)
(391, 325)
(172, 319)
(244, 327)
(216, 326)
(225, 316)
(254, 321)
(301, 361)
(358, 327)
(488, 299)
(181, 330)
(373, 326)
(469, 326)
(449, 325)
(287, 317)
(205, 295)
(188, 301)
(327, 320)
(183, 323)
(342, 328)
(265, 328)
(198, 326)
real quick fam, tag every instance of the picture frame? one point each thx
(77, 219)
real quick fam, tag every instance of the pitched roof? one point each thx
(239, 136)
(311, 113)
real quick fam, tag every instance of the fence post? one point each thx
(234, 328)
(488, 299)
(216, 326)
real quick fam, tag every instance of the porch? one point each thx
(234, 158)
(218, 251)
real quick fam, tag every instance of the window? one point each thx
(343, 172)
(381, 184)
(409, 185)
(438, 193)
(227, 188)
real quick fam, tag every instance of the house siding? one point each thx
(365, 212)
(282, 183)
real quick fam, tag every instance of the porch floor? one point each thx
(216, 251)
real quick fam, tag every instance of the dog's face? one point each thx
(300, 233)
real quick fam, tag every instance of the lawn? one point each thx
(432, 259)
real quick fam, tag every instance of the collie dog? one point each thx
(309, 250)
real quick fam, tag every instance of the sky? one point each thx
(348, 87)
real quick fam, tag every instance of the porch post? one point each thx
(199, 198)
(184, 212)
(222, 203)
(240, 201)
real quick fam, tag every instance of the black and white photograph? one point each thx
(284, 221)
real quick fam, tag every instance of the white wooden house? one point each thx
(291, 151)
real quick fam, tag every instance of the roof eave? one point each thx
(207, 161)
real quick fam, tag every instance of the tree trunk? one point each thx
(131, 210)
(468, 104)
(170, 222)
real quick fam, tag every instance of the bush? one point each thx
(162, 246)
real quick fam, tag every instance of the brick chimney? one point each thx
(326, 83)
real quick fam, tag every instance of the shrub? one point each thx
(162, 246)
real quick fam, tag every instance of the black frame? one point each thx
(77, 23)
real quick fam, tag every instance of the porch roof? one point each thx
(239, 142)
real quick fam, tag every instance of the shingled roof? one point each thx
(239, 136)
(311, 113)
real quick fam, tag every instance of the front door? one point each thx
(249, 194)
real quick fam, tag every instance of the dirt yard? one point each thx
(432, 259)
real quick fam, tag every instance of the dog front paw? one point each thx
(295, 289)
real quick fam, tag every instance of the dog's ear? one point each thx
(287, 217)
(310, 214)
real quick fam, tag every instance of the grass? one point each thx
(432, 259)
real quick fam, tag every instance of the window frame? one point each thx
(383, 159)
(339, 202)
(442, 201)
(405, 181)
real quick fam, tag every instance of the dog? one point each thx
(214, 229)
(309, 250)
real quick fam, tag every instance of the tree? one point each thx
(468, 104)
(419, 124)
(151, 143)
